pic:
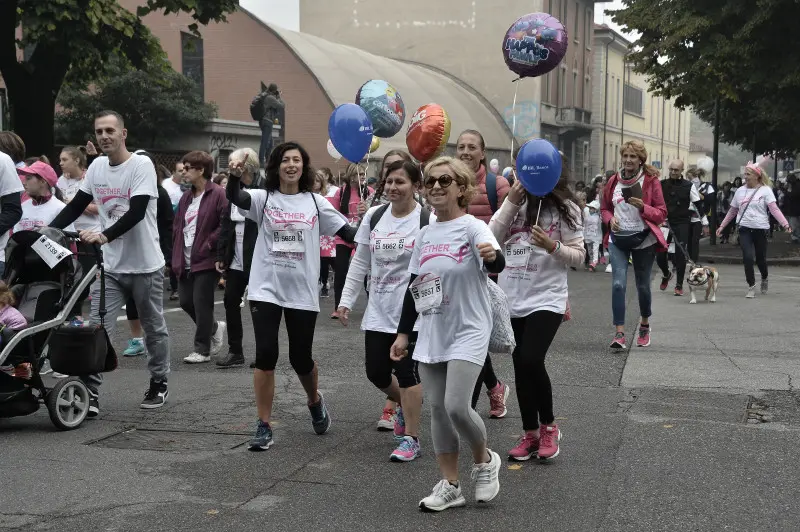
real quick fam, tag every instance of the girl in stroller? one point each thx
(9, 316)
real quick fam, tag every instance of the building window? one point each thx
(563, 96)
(564, 9)
(633, 100)
(577, 16)
(575, 88)
(587, 93)
(588, 22)
(618, 107)
(192, 60)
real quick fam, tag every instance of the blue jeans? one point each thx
(642, 268)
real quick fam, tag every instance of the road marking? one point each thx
(125, 318)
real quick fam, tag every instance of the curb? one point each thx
(774, 261)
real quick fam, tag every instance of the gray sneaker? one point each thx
(764, 286)
(263, 438)
(320, 419)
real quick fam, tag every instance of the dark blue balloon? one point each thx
(350, 130)
(538, 167)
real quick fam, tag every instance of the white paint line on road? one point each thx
(125, 318)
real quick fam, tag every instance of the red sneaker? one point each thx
(549, 436)
(527, 447)
(386, 422)
(678, 290)
(619, 341)
(665, 281)
(643, 339)
(497, 400)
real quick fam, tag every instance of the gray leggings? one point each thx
(448, 389)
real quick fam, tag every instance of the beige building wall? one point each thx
(663, 128)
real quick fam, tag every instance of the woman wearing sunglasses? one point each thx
(449, 293)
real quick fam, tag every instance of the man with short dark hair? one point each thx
(125, 188)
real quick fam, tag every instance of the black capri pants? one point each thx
(300, 328)
(379, 366)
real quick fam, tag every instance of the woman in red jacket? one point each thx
(195, 233)
(633, 207)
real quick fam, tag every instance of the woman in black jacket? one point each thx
(237, 240)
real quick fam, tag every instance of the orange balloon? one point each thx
(428, 132)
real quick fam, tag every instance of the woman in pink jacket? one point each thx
(633, 207)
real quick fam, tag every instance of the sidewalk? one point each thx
(780, 252)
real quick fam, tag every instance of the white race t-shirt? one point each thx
(630, 218)
(70, 187)
(174, 190)
(138, 250)
(533, 279)
(35, 216)
(190, 228)
(757, 214)
(9, 184)
(238, 246)
(285, 269)
(391, 244)
(446, 259)
(592, 226)
(332, 190)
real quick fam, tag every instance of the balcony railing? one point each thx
(574, 117)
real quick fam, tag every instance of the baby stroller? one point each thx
(46, 294)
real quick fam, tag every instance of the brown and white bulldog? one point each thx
(700, 276)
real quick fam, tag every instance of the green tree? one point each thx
(745, 52)
(77, 37)
(158, 105)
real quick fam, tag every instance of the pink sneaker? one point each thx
(549, 436)
(527, 447)
(497, 400)
(643, 339)
(602, 260)
(386, 422)
(407, 451)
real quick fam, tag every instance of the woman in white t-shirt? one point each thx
(751, 206)
(42, 205)
(538, 256)
(327, 244)
(73, 168)
(284, 275)
(385, 241)
(449, 292)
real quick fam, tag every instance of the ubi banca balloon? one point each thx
(428, 132)
(535, 44)
(350, 131)
(383, 105)
(538, 167)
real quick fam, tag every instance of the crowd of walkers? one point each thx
(424, 243)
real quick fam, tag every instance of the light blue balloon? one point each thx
(383, 105)
(350, 131)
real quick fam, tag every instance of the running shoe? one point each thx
(156, 395)
(643, 339)
(527, 447)
(751, 292)
(497, 400)
(619, 341)
(399, 425)
(320, 419)
(665, 281)
(94, 404)
(593, 267)
(196, 358)
(218, 338)
(609, 269)
(135, 348)
(231, 360)
(386, 422)
(485, 477)
(678, 290)
(549, 436)
(46, 368)
(262, 439)
(444, 496)
(407, 451)
(324, 292)
(764, 286)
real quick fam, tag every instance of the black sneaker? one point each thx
(231, 360)
(263, 438)
(764, 286)
(156, 395)
(173, 296)
(324, 292)
(320, 419)
(94, 404)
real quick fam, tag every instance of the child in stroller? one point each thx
(45, 297)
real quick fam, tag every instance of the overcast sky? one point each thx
(601, 18)
(284, 13)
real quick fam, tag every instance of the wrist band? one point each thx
(556, 247)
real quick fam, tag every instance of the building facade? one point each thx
(624, 109)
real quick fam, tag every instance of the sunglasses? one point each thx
(443, 180)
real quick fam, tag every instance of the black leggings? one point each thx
(754, 249)
(534, 334)
(486, 377)
(235, 283)
(300, 328)
(325, 264)
(379, 366)
(340, 266)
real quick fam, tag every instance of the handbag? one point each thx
(501, 339)
(628, 240)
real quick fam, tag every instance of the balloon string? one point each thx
(538, 211)
(514, 118)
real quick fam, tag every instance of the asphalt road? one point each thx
(701, 431)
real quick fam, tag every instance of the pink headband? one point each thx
(757, 169)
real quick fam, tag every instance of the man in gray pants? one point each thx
(124, 186)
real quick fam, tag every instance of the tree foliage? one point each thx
(157, 106)
(745, 52)
(78, 37)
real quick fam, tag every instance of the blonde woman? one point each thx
(756, 201)
(449, 293)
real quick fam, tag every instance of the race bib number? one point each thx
(427, 293)
(517, 255)
(289, 241)
(49, 251)
(389, 249)
(239, 233)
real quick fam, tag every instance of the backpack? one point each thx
(424, 216)
(491, 190)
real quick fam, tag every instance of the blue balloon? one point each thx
(350, 131)
(538, 167)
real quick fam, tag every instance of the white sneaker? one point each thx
(57, 375)
(218, 338)
(608, 268)
(244, 297)
(751, 292)
(487, 485)
(197, 358)
(46, 368)
(444, 496)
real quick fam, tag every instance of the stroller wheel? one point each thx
(68, 403)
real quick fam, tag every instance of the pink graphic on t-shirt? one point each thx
(288, 220)
(431, 251)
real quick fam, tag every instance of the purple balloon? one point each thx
(535, 44)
